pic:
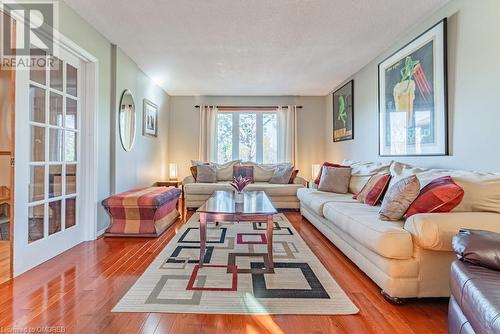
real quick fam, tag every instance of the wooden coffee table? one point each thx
(221, 206)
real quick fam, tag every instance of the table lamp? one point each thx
(315, 170)
(172, 171)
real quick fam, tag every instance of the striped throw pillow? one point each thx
(374, 189)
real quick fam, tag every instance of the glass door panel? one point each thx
(53, 109)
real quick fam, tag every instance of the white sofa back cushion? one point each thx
(362, 171)
(224, 171)
(482, 190)
(261, 173)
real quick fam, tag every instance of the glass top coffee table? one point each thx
(221, 206)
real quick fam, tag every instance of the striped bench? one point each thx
(145, 212)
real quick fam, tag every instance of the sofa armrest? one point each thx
(188, 179)
(435, 231)
(300, 180)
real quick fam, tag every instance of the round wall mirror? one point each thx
(126, 116)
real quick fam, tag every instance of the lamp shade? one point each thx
(315, 170)
(172, 171)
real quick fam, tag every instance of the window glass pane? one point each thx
(248, 137)
(35, 223)
(55, 145)
(56, 73)
(37, 143)
(55, 209)
(224, 137)
(70, 149)
(37, 104)
(55, 181)
(70, 179)
(56, 109)
(70, 212)
(270, 139)
(71, 113)
(71, 80)
(37, 183)
(38, 72)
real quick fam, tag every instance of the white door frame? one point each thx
(89, 143)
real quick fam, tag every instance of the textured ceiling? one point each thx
(252, 47)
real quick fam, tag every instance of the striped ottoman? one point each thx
(145, 212)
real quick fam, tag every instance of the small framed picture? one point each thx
(149, 119)
(343, 112)
(413, 114)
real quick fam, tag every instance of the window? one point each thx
(248, 136)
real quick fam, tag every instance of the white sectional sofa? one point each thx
(405, 258)
(283, 196)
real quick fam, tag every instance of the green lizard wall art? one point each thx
(342, 110)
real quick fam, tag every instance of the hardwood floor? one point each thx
(78, 289)
(4, 261)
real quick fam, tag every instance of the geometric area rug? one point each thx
(235, 279)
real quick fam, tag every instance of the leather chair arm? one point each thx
(478, 247)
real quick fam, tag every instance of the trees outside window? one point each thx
(248, 136)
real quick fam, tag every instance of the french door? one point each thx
(48, 167)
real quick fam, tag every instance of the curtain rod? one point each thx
(250, 107)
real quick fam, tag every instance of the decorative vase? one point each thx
(238, 197)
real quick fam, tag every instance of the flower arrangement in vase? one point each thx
(239, 183)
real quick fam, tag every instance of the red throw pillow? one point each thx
(327, 164)
(244, 171)
(441, 195)
(374, 189)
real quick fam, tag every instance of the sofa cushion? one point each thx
(275, 189)
(481, 190)
(206, 174)
(270, 189)
(374, 189)
(335, 180)
(362, 171)
(206, 188)
(282, 175)
(361, 222)
(315, 199)
(399, 198)
(243, 171)
(476, 290)
(261, 173)
(441, 195)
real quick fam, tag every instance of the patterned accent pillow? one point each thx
(335, 180)
(374, 189)
(206, 174)
(243, 171)
(282, 175)
(440, 195)
(399, 198)
(293, 176)
(327, 164)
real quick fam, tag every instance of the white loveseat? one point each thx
(405, 258)
(283, 196)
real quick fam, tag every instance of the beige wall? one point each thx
(147, 160)
(184, 126)
(143, 165)
(473, 90)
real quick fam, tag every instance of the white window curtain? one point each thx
(287, 134)
(208, 133)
